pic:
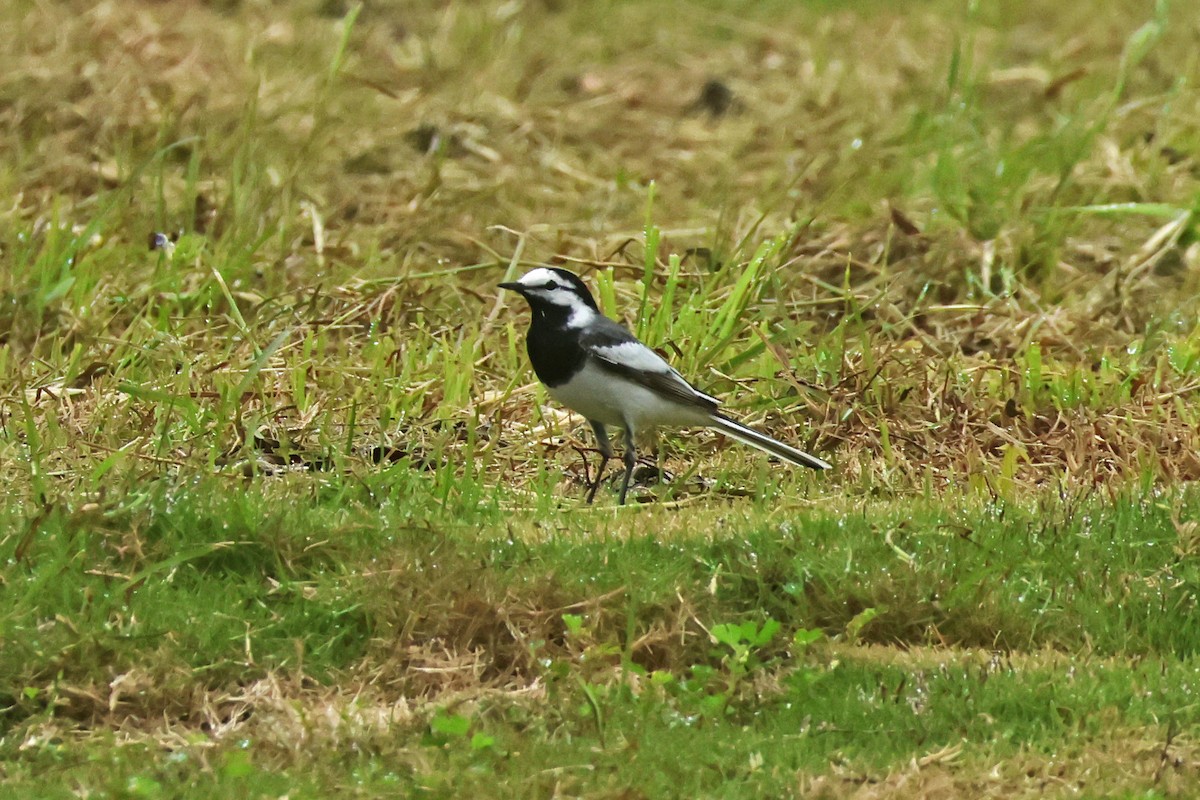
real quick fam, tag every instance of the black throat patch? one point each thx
(553, 350)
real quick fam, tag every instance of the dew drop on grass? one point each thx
(676, 719)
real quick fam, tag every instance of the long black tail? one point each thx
(735, 430)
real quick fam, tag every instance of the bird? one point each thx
(594, 366)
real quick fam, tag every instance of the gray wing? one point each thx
(616, 350)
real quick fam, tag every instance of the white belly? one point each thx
(601, 396)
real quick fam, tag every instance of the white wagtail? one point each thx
(594, 366)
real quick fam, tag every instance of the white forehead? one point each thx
(539, 277)
(549, 287)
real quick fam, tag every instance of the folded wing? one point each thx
(615, 349)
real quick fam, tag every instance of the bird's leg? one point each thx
(630, 461)
(605, 448)
(660, 473)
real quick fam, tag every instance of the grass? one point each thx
(287, 513)
(229, 637)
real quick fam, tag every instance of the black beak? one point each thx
(513, 286)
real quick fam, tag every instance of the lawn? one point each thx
(287, 513)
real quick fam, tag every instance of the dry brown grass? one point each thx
(1127, 762)
(533, 134)
(294, 722)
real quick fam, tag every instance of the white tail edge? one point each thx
(741, 433)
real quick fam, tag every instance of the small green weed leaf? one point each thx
(574, 623)
(1182, 357)
(807, 636)
(661, 677)
(237, 764)
(727, 634)
(482, 741)
(861, 620)
(451, 726)
(747, 635)
(714, 705)
(761, 637)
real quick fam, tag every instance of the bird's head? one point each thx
(550, 290)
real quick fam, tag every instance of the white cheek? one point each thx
(557, 297)
(580, 316)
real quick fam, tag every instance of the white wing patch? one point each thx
(633, 355)
(640, 358)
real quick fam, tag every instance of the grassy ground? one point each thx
(286, 513)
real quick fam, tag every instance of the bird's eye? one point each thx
(550, 285)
